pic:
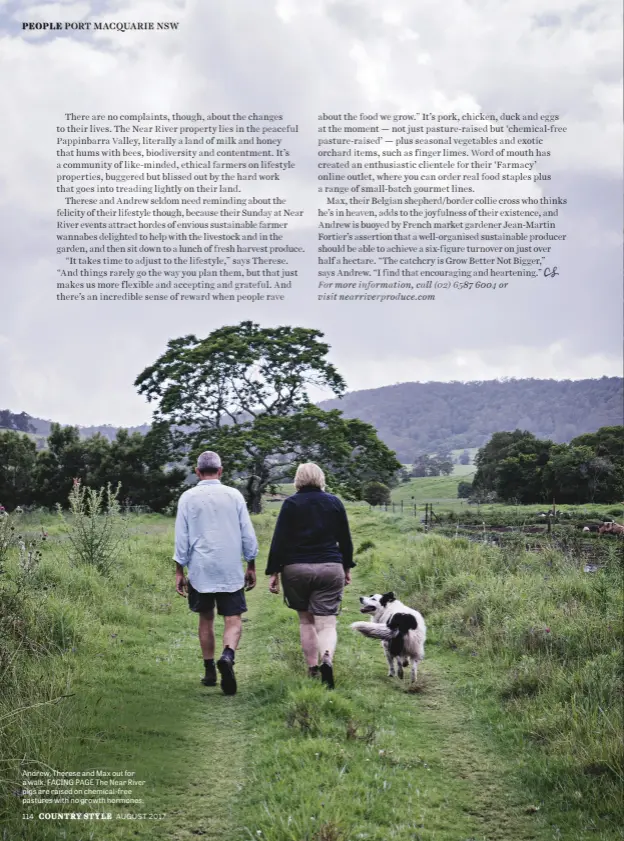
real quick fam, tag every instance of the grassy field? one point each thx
(441, 489)
(513, 732)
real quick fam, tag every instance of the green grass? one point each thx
(441, 489)
(513, 732)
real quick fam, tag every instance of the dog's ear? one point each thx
(403, 622)
(387, 597)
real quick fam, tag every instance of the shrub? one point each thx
(376, 493)
(96, 529)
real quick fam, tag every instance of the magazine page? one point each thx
(311, 420)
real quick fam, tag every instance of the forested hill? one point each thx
(412, 418)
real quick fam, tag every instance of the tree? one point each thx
(517, 465)
(64, 460)
(243, 391)
(18, 454)
(502, 446)
(519, 479)
(607, 442)
(135, 462)
(445, 468)
(436, 465)
(376, 493)
(464, 490)
(464, 457)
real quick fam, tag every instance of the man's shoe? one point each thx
(226, 670)
(313, 671)
(327, 671)
(210, 678)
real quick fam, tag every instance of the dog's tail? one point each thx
(375, 630)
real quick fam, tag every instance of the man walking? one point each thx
(213, 529)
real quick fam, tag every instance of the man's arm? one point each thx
(180, 555)
(249, 543)
(248, 535)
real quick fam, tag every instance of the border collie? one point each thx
(401, 630)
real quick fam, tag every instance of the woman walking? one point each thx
(313, 552)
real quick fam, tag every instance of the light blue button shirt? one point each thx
(213, 531)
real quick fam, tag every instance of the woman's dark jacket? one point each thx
(312, 527)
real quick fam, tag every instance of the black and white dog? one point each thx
(401, 630)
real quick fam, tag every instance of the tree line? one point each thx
(518, 467)
(32, 477)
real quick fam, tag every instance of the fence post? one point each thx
(393, 507)
(401, 506)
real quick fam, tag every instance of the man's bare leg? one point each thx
(206, 635)
(232, 630)
(207, 643)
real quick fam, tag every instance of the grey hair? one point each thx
(208, 462)
(309, 474)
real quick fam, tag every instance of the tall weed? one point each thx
(96, 529)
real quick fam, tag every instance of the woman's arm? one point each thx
(345, 544)
(280, 541)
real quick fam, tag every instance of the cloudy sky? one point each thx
(300, 57)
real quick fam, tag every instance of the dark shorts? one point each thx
(228, 604)
(317, 588)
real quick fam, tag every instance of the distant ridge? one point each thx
(415, 417)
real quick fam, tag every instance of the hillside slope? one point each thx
(425, 417)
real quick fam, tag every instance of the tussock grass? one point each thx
(541, 645)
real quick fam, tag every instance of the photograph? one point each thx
(311, 420)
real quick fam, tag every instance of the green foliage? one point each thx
(376, 493)
(45, 478)
(464, 490)
(95, 527)
(518, 467)
(18, 455)
(242, 392)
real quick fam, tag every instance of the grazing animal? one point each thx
(611, 528)
(401, 629)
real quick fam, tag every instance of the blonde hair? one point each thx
(309, 474)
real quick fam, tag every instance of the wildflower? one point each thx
(547, 630)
